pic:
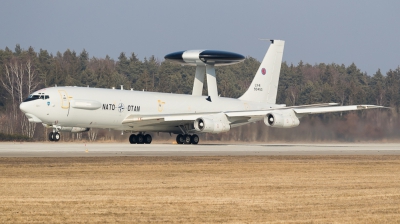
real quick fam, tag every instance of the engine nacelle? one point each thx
(74, 129)
(282, 119)
(213, 124)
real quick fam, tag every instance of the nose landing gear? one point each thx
(54, 136)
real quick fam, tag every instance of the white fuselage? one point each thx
(107, 108)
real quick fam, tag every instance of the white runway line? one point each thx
(60, 149)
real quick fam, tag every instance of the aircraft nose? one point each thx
(23, 107)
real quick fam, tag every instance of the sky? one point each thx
(342, 32)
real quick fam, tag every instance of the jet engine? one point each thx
(282, 119)
(213, 124)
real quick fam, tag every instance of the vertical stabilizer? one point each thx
(264, 86)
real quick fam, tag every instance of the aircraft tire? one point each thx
(186, 139)
(56, 136)
(140, 139)
(179, 139)
(51, 137)
(194, 139)
(147, 139)
(132, 139)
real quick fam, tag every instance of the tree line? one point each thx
(24, 71)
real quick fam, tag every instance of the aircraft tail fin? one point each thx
(264, 86)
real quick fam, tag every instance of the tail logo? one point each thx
(263, 71)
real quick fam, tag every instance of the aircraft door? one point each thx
(64, 99)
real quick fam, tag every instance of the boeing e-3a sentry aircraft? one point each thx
(77, 109)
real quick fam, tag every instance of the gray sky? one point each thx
(364, 32)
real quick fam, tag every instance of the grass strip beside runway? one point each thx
(201, 189)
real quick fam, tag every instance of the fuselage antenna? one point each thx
(271, 40)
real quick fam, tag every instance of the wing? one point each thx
(154, 119)
(237, 117)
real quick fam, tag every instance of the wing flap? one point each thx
(135, 118)
(153, 119)
(320, 110)
(257, 113)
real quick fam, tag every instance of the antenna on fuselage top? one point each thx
(271, 40)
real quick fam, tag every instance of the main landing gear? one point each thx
(187, 139)
(140, 139)
(54, 136)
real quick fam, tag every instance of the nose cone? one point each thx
(24, 107)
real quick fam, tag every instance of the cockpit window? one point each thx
(32, 97)
(36, 97)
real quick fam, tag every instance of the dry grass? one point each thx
(309, 189)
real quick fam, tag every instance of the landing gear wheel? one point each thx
(56, 136)
(51, 136)
(179, 139)
(140, 139)
(186, 139)
(194, 139)
(147, 139)
(132, 139)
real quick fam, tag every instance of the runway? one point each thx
(60, 149)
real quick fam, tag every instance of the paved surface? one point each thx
(61, 149)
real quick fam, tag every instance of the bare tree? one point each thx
(28, 85)
(92, 134)
(4, 126)
(19, 80)
(8, 82)
(293, 93)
